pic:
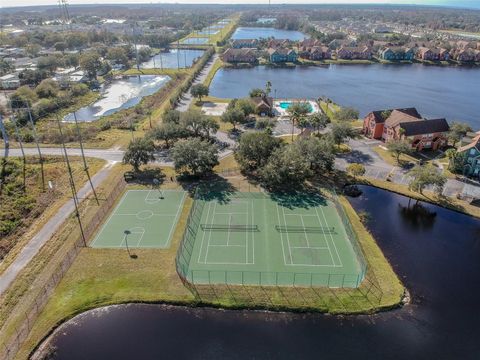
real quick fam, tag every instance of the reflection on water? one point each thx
(120, 94)
(173, 59)
(416, 215)
(432, 89)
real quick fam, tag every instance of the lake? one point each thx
(120, 94)
(434, 251)
(450, 92)
(267, 32)
(182, 58)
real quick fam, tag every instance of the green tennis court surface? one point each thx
(256, 239)
(142, 219)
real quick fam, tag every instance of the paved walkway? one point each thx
(186, 98)
(47, 231)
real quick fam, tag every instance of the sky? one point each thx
(458, 3)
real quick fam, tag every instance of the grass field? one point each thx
(252, 238)
(142, 219)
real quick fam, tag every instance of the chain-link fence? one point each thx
(206, 279)
(32, 304)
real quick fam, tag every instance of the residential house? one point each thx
(427, 54)
(471, 157)
(338, 43)
(243, 55)
(406, 124)
(316, 53)
(477, 55)
(10, 81)
(278, 43)
(397, 54)
(466, 55)
(282, 55)
(308, 43)
(354, 53)
(444, 55)
(374, 122)
(263, 105)
(244, 43)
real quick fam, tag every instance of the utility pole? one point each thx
(85, 166)
(20, 142)
(178, 54)
(72, 182)
(3, 131)
(35, 136)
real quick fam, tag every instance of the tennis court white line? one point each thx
(231, 213)
(109, 218)
(288, 237)
(325, 236)
(331, 237)
(203, 236)
(306, 236)
(174, 223)
(311, 247)
(210, 235)
(281, 235)
(242, 246)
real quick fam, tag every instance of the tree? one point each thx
(426, 175)
(346, 114)
(356, 169)
(285, 169)
(194, 157)
(139, 152)
(48, 88)
(23, 96)
(234, 117)
(257, 93)
(198, 123)
(90, 63)
(47, 63)
(254, 149)
(318, 153)
(457, 131)
(455, 161)
(118, 55)
(399, 147)
(268, 88)
(168, 132)
(245, 105)
(341, 132)
(172, 116)
(318, 120)
(60, 46)
(199, 90)
(297, 111)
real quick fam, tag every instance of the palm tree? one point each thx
(268, 88)
(297, 112)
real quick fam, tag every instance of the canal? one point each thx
(436, 253)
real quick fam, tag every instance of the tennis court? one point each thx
(142, 219)
(256, 239)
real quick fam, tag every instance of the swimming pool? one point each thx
(286, 104)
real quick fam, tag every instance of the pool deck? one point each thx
(279, 111)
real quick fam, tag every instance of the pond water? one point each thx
(208, 32)
(450, 92)
(435, 252)
(120, 94)
(195, 41)
(267, 32)
(173, 59)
